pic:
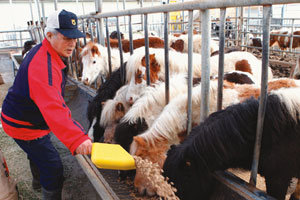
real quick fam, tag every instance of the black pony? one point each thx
(226, 140)
(124, 134)
(106, 91)
(27, 46)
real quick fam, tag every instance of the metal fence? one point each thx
(14, 39)
(262, 26)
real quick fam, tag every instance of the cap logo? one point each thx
(73, 22)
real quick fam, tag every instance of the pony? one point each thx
(181, 44)
(114, 35)
(170, 126)
(106, 91)
(95, 61)
(240, 61)
(154, 42)
(112, 111)
(284, 41)
(136, 73)
(226, 140)
(27, 46)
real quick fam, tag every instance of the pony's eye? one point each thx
(94, 62)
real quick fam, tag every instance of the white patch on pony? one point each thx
(91, 130)
(291, 99)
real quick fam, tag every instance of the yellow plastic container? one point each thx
(111, 156)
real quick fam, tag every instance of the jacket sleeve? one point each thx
(45, 91)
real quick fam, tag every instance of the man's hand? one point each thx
(84, 148)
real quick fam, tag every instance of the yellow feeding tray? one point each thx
(111, 156)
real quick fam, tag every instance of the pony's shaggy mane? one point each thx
(226, 140)
(152, 100)
(172, 120)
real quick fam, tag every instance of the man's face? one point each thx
(62, 45)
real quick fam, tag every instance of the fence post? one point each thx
(264, 88)
(205, 63)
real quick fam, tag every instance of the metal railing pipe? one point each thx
(108, 47)
(166, 42)
(147, 48)
(190, 72)
(205, 63)
(221, 58)
(130, 35)
(191, 5)
(264, 88)
(123, 75)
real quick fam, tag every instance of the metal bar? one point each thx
(292, 34)
(108, 47)
(100, 31)
(123, 72)
(39, 12)
(221, 58)
(99, 183)
(55, 5)
(130, 35)
(264, 88)
(21, 41)
(192, 5)
(205, 63)
(147, 48)
(141, 4)
(30, 5)
(83, 30)
(190, 72)
(90, 25)
(167, 73)
(124, 1)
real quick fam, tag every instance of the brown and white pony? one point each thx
(178, 63)
(284, 41)
(112, 111)
(181, 44)
(95, 61)
(154, 42)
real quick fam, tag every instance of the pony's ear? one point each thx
(151, 56)
(95, 50)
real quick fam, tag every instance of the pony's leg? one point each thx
(277, 187)
(296, 194)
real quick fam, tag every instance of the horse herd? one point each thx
(136, 115)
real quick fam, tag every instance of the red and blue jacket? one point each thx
(34, 105)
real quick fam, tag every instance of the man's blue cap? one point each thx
(66, 23)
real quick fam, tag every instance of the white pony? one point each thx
(113, 110)
(95, 61)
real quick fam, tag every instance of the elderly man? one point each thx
(34, 105)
